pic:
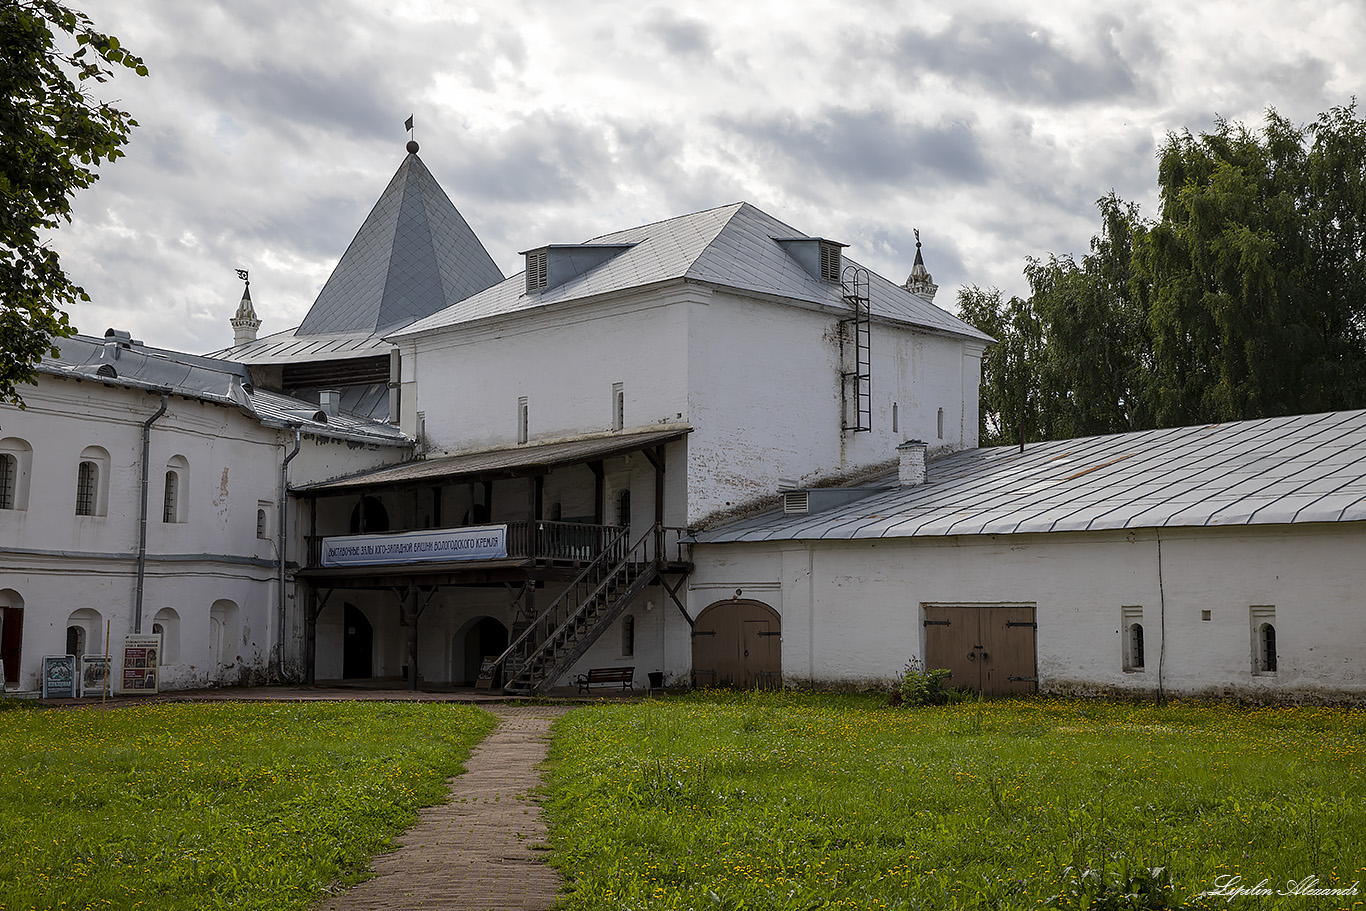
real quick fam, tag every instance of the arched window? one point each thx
(87, 485)
(84, 633)
(173, 500)
(1136, 646)
(1266, 646)
(16, 457)
(369, 517)
(223, 633)
(92, 482)
(628, 636)
(167, 623)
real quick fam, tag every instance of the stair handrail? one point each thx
(615, 571)
(608, 553)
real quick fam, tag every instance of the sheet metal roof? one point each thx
(133, 365)
(733, 246)
(512, 462)
(289, 347)
(1304, 468)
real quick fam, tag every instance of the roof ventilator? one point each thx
(552, 265)
(796, 501)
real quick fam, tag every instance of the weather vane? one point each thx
(242, 274)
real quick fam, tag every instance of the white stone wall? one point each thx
(61, 564)
(852, 609)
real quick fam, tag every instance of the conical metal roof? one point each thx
(413, 256)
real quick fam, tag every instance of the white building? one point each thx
(1218, 561)
(141, 491)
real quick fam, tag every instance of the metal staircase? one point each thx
(562, 632)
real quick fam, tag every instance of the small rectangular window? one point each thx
(941, 423)
(87, 481)
(628, 636)
(263, 527)
(895, 424)
(168, 503)
(523, 423)
(618, 406)
(1134, 645)
(1265, 659)
(9, 473)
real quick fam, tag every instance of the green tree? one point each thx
(52, 137)
(1015, 397)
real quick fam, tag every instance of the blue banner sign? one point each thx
(431, 545)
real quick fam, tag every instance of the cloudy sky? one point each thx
(268, 129)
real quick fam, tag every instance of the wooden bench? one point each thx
(623, 675)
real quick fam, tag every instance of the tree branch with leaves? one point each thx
(53, 135)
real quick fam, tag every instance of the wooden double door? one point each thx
(737, 643)
(988, 648)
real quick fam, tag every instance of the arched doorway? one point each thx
(358, 643)
(369, 517)
(737, 643)
(11, 632)
(482, 638)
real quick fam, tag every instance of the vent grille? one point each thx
(796, 502)
(536, 269)
(830, 261)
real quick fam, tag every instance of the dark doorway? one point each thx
(11, 640)
(738, 643)
(987, 649)
(369, 517)
(487, 638)
(358, 643)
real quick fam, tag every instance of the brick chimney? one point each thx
(911, 471)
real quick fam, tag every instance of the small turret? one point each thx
(244, 322)
(920, 281)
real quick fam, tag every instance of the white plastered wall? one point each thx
(852, 609)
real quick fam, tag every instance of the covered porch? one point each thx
(544, 531)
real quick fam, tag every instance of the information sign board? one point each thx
(432, 545)
(140, 672)
(59, 676)
(95, 675)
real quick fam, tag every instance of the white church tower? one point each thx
(244, 321)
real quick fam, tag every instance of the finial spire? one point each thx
(920, 281)
(412, 135)
(244, 322)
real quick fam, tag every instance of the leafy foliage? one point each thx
(919, 685)
(52, 137)
(1246, 299)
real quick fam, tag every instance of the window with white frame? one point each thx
(16, 457)
(523, 420)
(173, 496)
(618, 406)
(1134, 645)
(1265, 658)
(92, 482)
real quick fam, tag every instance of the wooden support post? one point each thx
(599, 490)
(410, 608)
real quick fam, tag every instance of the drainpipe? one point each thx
(142, 520)
(284, 538)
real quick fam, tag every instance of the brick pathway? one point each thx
(479, 851)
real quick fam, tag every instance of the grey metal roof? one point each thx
(1304, 468)
(733, 246)
(413, 256)
(133, 365)
(289, 347)
(511, 462)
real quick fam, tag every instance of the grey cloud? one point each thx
(548, 157)
(681, 36)
(1017, 59)
(853, 147)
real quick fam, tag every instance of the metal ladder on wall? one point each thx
(858, 382)
(562, 633)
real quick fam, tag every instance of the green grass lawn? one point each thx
(221, 805)
(788, 801)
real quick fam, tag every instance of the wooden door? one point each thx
(951, 642)
(737, 643)
(1007, 665)
(986, 648)
(11, 640)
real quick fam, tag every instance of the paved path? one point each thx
(478, 851)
